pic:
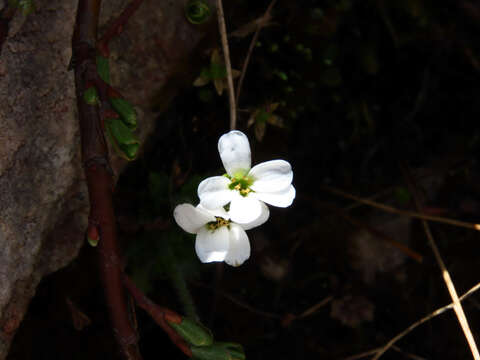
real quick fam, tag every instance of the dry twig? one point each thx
(381, 350)
(457, 307)
(159, 314)
(226, 53)
(393, 210)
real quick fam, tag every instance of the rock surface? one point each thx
(43, 200)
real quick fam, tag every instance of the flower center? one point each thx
(241, 184)
(218, 223)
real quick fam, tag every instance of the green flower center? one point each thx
(242, 184)
(218, 223)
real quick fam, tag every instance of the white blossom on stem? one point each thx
(246, 189)
(218, 237)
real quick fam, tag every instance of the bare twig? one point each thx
(260, 24)
(363, 354)
(313, 309)
(226, 53)
(159, 314)
(116, 27)
(407, 354)
(381, 350)
(393, 210)
(457, 307)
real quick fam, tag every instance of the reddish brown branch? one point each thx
(159, 314)
(116, 27)
(6, 15)
(99, 178)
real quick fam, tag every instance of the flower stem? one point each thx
(179, 283)
(226, 53)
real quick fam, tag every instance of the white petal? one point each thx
(212, 245)
(260, 220)
(234, 150)
(244, 210)
(190, 218)
(214, 192)
(239, 250)
(280, 198)
(271, 176)
(220, 212)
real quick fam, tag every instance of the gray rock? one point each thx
(43, 198)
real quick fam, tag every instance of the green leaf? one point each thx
(197, 12)
(217, 71)
(122, 134)
(90, 96)
(218, 351)
(130, 150)
(122, 138)
(282, 75)
(92, 242)
(126, 111)
(103, 68)
(262, 116)
(193, 332)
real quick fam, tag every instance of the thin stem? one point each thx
(159, 314)
(457, 306)
(226, 53)
(393, 210)
(117, 25)
(260, 25)
(379, 352)
(179, 283)
(313, 309)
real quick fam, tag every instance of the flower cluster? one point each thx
(235, 202)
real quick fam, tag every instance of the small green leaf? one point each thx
(193, 332)
(91, 96)
(130, 150)
(217, 71)
(126, 111)
(122, 134)
(218, 351)
(262, 116)
(282, 75)
(197, 12)
(92, 242)
(103, 68)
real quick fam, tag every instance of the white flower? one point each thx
(218, 238)
(243, 187)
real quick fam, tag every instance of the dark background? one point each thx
(365, 89)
